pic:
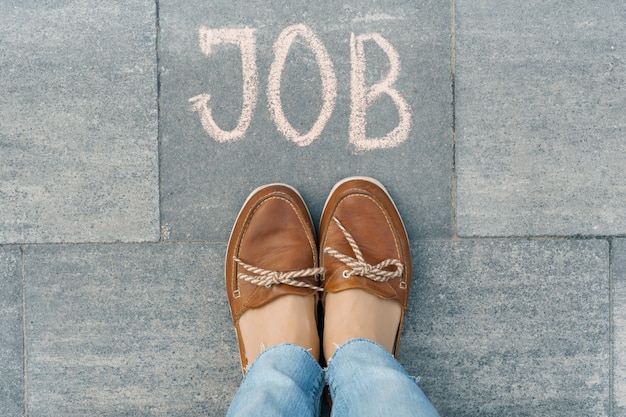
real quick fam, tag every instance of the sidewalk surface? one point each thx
(132, 131)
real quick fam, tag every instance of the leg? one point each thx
(272, 287)
(284, 380)
(368, 273)
(366, 380)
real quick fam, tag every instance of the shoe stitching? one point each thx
(399, 248)
(236, 291)
(275, 277)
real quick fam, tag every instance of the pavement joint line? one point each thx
(11, 246)
(121, 244)
(611, 330)
(159, 99)
(414, 240)
(540, 237)
(453, 187)
(24, 335)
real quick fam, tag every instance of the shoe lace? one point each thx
(359, 267)
(267, 278)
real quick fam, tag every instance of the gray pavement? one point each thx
(131, 132)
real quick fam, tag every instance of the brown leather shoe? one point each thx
(363, 243)
(271, 252)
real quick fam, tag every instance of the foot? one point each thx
(365, 250)
(271, 273)
(288, 319)
(356, 313)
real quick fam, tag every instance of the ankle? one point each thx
(356, 314)
(288, 319)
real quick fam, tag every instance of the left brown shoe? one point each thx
(271, 252)
(364, 245)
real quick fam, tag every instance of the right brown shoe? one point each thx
(271, 252)
(364, 245)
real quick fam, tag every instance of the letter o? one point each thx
(329, 83)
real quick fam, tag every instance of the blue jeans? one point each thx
(363, 378)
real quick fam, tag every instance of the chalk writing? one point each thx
(245, 40)
(329, 83)
(361, 95)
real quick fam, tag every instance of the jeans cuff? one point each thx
(356, 340)
(283, 346)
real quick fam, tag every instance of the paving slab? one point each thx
(11, 334)
(128, 330)
(254, 94)
(515, 328)
(78, 111)
(619, 328)
(539, 99)
(494, 327)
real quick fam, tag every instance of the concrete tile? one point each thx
(515, 328)
(204, 181)
(619, 328)
(127, 330)
(11, 335)
(539, 116)
(78, 112)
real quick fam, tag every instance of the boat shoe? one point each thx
(271, 252)
(363, 244)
